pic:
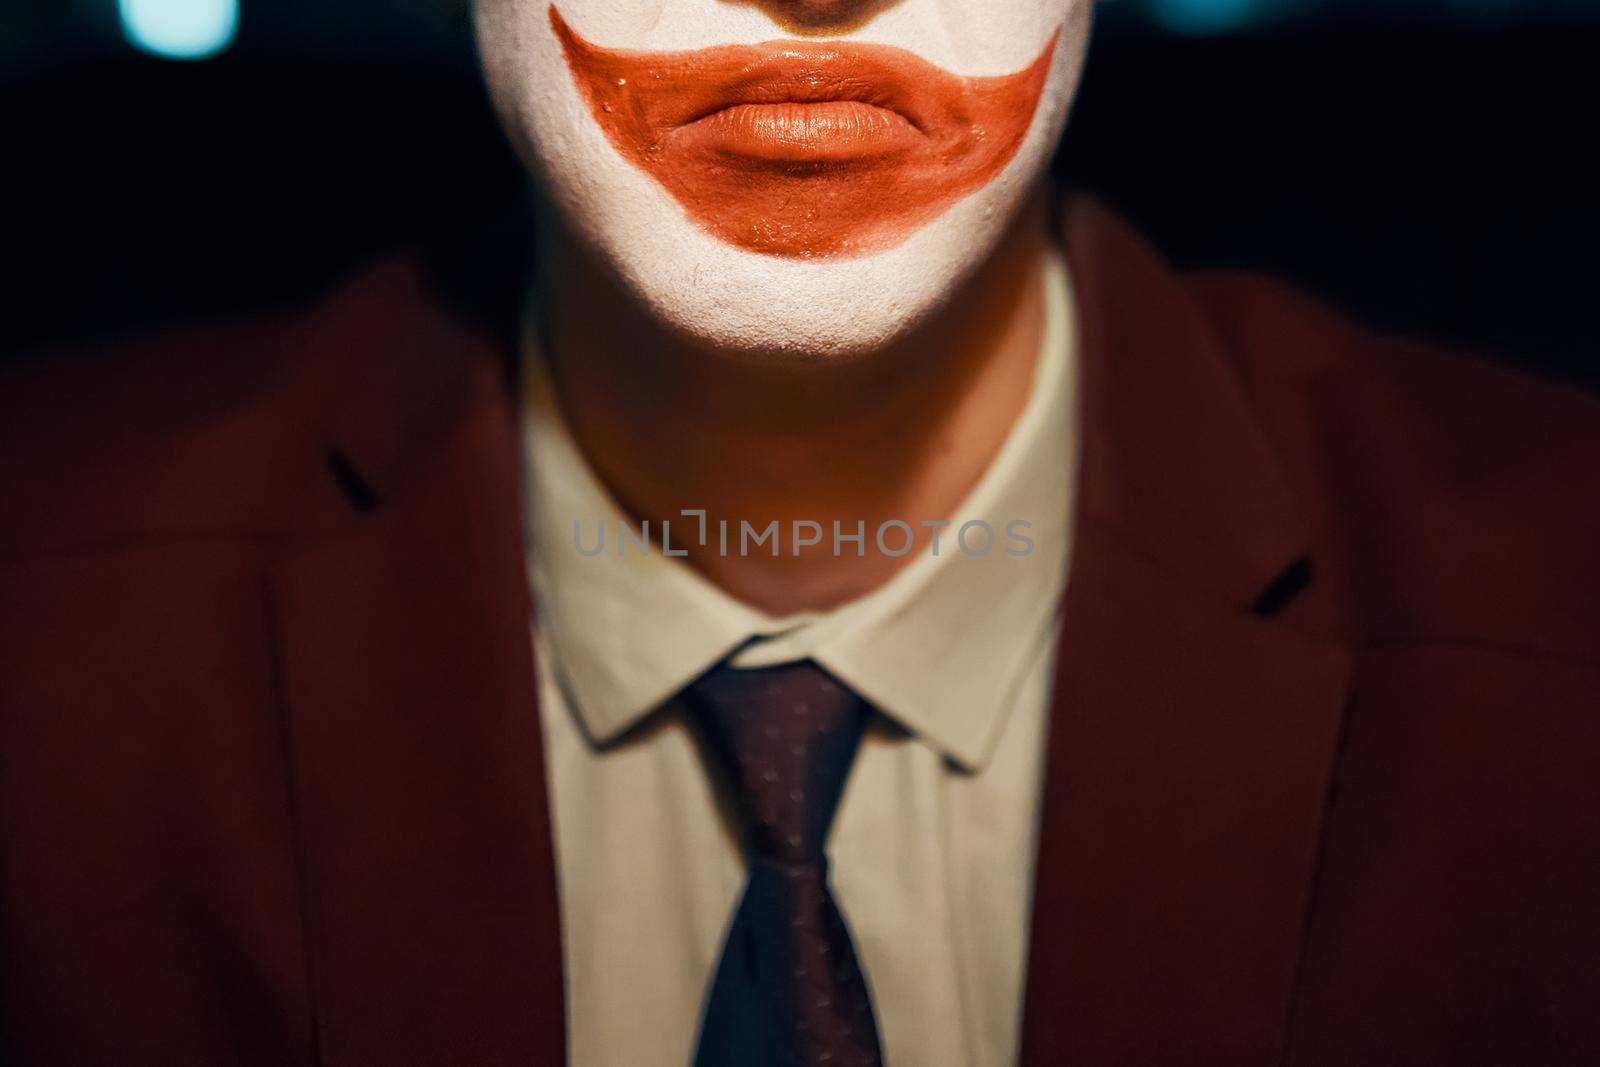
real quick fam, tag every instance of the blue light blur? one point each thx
(1204, 16)
(180, 29)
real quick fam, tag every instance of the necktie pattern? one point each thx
(788, 991)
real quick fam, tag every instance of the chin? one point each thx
(759, 308)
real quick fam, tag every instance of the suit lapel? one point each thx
(1192, 737)
(1189, 758)
(411, 727)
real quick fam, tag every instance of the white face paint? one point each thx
(841, 190)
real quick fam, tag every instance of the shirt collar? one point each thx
(942, 648)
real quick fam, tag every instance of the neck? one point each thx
(904, 433)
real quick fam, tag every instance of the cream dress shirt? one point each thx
(933, 847)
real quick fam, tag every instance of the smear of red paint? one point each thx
(806, 149)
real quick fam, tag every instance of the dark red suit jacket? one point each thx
(1324, 765)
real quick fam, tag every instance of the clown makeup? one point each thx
(790, 179)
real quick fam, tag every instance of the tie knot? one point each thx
(785, 737)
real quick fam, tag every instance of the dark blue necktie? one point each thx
(788, 991)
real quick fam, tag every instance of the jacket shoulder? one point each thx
(1455, 496)
(208, 431)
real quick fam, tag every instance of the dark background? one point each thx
(1420, 162)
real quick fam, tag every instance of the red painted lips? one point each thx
(806, 150)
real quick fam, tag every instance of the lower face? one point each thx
(785, 196)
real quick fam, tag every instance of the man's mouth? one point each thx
(796, 132)
(805, 149)
(792, 104)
